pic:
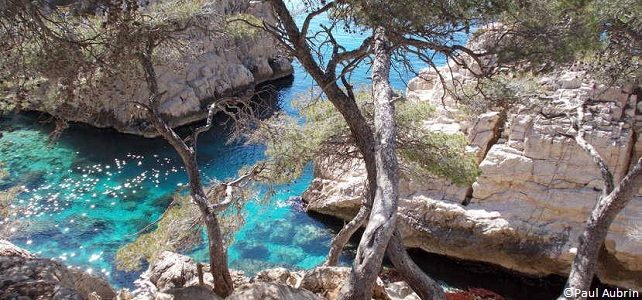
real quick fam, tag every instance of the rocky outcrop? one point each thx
(537, 187)
(24, 276)
(174, 276)
(207, 67)
(171, 273)
(262, 290)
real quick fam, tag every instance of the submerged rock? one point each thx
(309, 237)
(253, 266)
(24, 276)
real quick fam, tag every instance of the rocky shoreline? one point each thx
(24, 276)
(175, 276)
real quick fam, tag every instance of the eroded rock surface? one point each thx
(173, 276)
(171, 273)
(271, 291)
(24, 276)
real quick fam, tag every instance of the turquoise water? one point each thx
(92, 191)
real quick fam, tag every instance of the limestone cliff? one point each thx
(201, 68)
(537, 187)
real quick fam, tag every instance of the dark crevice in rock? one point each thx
(498, 131)
(464, 274)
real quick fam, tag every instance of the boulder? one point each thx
(400, 291)
(173, 275)
(172, 270)
(271, 291)
(327, 282)
(189, 293)
(23, 276)
(280, 276)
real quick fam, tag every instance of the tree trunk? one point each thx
(347, 107)
(590, 242)
(423, 285)
(383, 216)
(223, 285)
(344, 235)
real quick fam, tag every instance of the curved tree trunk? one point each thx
(293, 39)
(421, 283)
(607, 208)
(383, 216)
(347, 107)
(344, 235)
(223, 285)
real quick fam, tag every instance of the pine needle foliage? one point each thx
(502, 92)
(292, 142)
(55, 53)
(243, 26)
(179, 229)
(6, 198)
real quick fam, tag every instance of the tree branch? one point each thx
(229, 188)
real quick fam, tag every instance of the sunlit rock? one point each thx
(24, 276)
(537, 187)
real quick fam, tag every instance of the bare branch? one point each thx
(312, 15)
(607, 176)
(229, 187)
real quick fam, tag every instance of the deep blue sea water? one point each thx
(88, 194)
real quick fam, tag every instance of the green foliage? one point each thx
(177, 11)
(6, 198)
(500, 93)
(423, 152)
(543, 33)
(55, 54)
(243, 26)
(433, 153)
(621, 57)
(292, 143)
(418, 15)
(177, 230)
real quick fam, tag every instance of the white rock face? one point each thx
(537, 187)
(208, 67)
